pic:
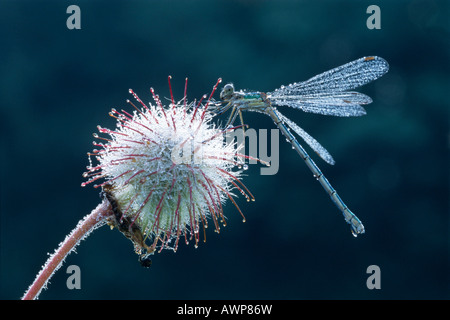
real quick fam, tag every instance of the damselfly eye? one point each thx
(227, 91)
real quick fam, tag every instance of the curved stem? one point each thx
(89, 223)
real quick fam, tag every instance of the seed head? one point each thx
(166, 171)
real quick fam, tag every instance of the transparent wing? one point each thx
(346, 77)
(342, 104)
(326, 93)
(316, 146)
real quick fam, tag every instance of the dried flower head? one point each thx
(166, 171)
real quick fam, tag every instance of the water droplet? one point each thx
(245, 166)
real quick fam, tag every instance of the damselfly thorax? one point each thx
(241, 101)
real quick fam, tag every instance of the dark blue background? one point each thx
(391, 168)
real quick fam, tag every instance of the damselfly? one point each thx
(325, 94)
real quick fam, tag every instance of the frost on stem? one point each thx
(166, 170)
(89, 223)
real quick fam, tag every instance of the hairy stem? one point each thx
(84, 227)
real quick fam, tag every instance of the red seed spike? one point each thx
(196, 223)
(129, 205)
(173, 122)
(218, 199)
(234, 202)
(158, 210)
(120, 116)
(222, 158)
(138, 99)
(185, 94)
(240, 182)
(212, 93)
(130, 120)
(153, 246)
(173, 103)
(143, 104)
(177, 216)
(162, 242)
(207, 102)
(196, 108)
(91, 169)
(239, 155)
(139, 122)
(221, 132)
(171, 93)
(156, 98)
(96, 136)
(168, 233)
(213, 188)
(172, 218)
(158, 102)
(212, 209)
(108, 181)
(90, 175)
(104, 130)
(134, 175)
(125, 115)
(92, 180)
(191, 206)
(204, 226)
(143, 205)
(185, 237)
(174, 177)
(120, 119)
(138, 110)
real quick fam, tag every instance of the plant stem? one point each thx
(84, 227)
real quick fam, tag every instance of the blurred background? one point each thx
(57, 85)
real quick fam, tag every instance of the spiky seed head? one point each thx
(166, 171)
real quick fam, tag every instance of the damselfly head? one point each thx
(227, 92)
